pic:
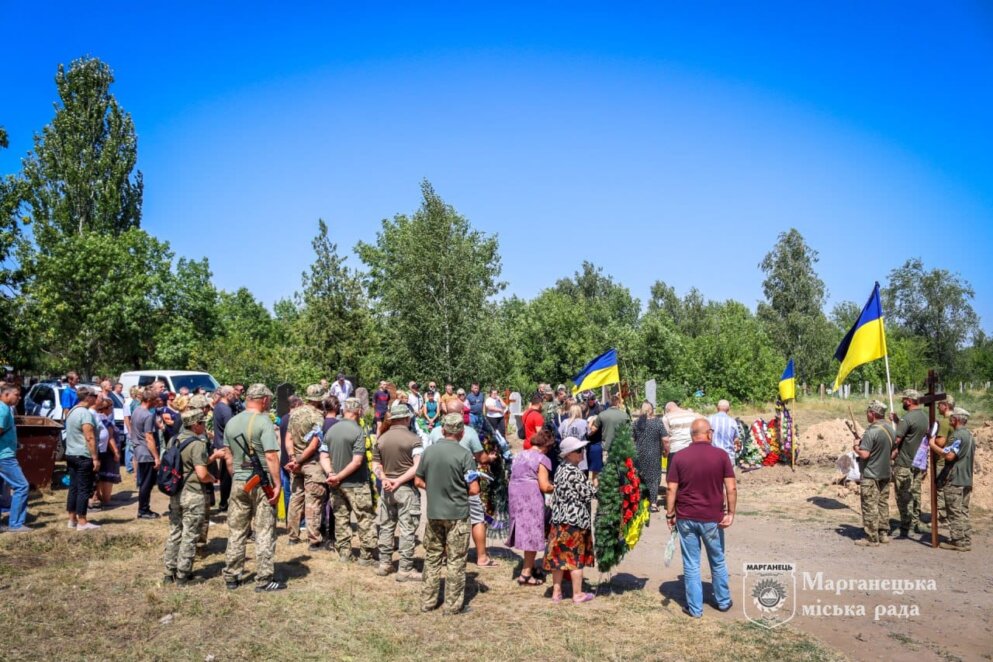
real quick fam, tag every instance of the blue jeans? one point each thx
(11, 473)
(128, 457)
(691, 534)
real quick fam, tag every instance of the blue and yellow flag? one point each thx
(865, 341)
(601, 371)
(787, 383)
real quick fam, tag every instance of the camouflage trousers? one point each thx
(907, 482)
(187, 511)
(875, 507)
(939, 465)
(441, 536)
(957, 503)
(347, 500)
(399, 512)
(248, 511)
(308, 493)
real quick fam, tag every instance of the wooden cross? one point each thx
(932, 399)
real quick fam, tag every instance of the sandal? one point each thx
(490, 563)
(556, 599)
(583, 597)
(529, 580)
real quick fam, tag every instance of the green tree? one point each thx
(793, 310)
(81, 176)
(187, 315)
(335, 327)
(662, 353)
(92, 300)
(430, 278)
(11, 194)
(934, 305)
(247, 349)
(735, 359)
(580, 317)
(93, 279)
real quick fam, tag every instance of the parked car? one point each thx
(173, 379)
(45, 399)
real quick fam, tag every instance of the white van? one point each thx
(173, 379)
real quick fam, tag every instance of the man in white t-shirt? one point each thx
(342, 388)
(677, 422)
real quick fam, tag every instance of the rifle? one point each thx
(260, 477)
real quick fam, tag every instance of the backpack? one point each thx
(169, 477)
(524, 423)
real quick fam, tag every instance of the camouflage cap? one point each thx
(949, 400)
(352, 404)
(193, 415)
(560, 388)
(399, 410)
(452, 423)
(315, 393)
(257, 392)
(961, 414)
(877, 407)
(911, 394)
(198, 402)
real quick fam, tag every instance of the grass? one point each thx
(96, 596)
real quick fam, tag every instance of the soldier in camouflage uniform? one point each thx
(309, 482)
(911, 429)
(343, 460)
(945, 408)
(956, 480)
(874, 463)
(252, 433)
(447, 472)
(202, 404)
(186, 508)
(394, 460)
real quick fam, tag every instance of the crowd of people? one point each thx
(332, 464)
(331, 468)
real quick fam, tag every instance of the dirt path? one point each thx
(817, 533)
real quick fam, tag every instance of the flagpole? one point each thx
(792, 427)
(889, 387)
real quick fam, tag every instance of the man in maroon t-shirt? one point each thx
(698, 478)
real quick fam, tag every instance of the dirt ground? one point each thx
(802, 517)
(55, 584)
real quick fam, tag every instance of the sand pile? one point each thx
(982, 476)
(822, 443)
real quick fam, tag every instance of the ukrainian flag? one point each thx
(787, 383)
(601, 371)
(865, 341)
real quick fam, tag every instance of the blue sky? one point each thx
(662, 140)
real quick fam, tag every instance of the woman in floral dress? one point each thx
(530, 480)
(570, 541)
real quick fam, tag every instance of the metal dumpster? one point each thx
(37, 443)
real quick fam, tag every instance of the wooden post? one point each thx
(930, 400)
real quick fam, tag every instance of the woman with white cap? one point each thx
(570, 540)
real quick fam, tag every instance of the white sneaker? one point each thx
(87, 527)
(71, 525)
